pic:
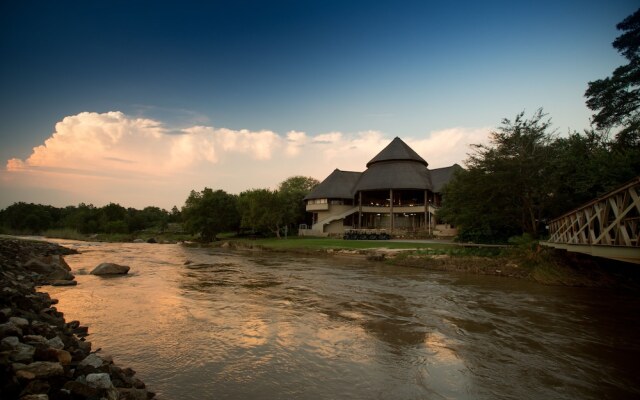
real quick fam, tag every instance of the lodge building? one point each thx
(396, 192)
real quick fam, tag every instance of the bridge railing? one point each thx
(610, 220)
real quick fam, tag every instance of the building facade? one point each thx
(396, 192)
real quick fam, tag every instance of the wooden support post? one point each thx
(360, 210)
(391, 207)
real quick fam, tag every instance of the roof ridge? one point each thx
(397, 150)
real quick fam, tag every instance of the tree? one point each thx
(292, 192)
(261, 210)
(28, 218)
(616, 99)
(505, 190)
(208, 213)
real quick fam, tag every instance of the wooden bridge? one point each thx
(608, 226)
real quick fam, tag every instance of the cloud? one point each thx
(103, 157)
(448, 146)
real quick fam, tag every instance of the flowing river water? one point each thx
(206, 324)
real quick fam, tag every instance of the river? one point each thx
(209, 324)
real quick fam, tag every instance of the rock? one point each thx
(9, 329)
(52, 267)
(376, 257)
(152, 240)
(9, 343)
(36, 388)
(81, 389)
(64, 283)
(132, 394)
(92, 360)
(23, 353)
(99, 381)
(19, 322)
(56, 343)
(102, 381)
(60, 275)
(38, 370)
(110, 269)
(5, 313)
(64, 357)
(35, 397)
(34, 339)
(138, 240)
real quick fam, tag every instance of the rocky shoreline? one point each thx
(42, 356)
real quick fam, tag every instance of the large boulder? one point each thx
(110, 269)
(51, 267)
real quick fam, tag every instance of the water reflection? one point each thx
(198, 324)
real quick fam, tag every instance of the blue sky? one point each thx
(407, 69)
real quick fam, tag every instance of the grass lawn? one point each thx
(327, 243)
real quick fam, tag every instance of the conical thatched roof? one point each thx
(338, 185)
(397, 150)
(397, 166)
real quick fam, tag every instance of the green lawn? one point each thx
(327, 243)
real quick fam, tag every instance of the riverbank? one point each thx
(42, 356)
(529, 262)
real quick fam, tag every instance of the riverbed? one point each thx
(211, 324)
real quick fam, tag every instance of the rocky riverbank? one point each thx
(42, 356)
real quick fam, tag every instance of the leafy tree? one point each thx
(292, 192)
(505, 190)
(175, 215)
(209, 212)
(261, 210)
(28, 217)
(616, 99)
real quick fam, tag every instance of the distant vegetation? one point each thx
(204, 216)
(29, 218)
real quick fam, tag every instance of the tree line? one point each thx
(528, 174)
(29, 218)
(256, 211)
(205, 214)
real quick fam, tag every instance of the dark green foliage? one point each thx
(527, 176)
(209, 212)
(28, 218)
(261, 211)
(292, 192)
(505, 189)
(270, 211)
(23, 218)
(616, 99)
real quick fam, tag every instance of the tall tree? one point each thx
(261, 210)
(209, 213)
(292, 192)
(616, 99)
(505, 190)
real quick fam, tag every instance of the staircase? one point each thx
(319, 226)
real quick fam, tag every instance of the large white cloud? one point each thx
(103, 157)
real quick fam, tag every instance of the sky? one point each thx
(140, 102)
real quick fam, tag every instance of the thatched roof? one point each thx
(397, 166)
(397, 150)
(338, 185)
(395, 175)
(442, 176)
